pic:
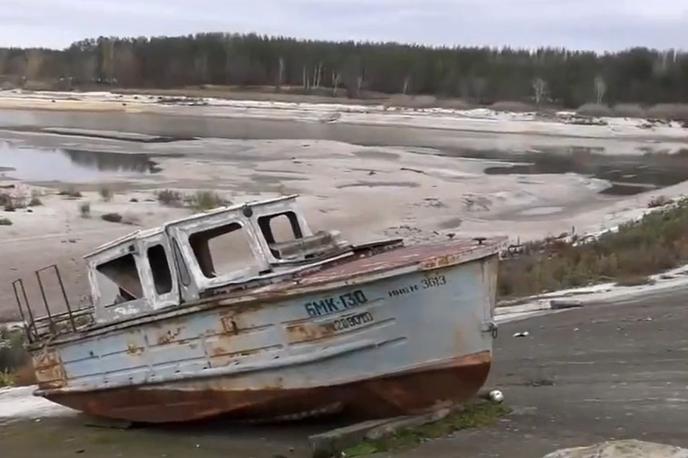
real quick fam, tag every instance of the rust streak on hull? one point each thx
(398, 394)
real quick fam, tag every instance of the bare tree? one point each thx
(336, 79)
(407, 84)
(317, 75)
(600, 89)
(539, 89)
(280, 75)
(306, 81)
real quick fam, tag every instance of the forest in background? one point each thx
(550, 76)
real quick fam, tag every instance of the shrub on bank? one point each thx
(12, 354)
(595, 109)
(629, 110)
(206, 200)
(652, 245)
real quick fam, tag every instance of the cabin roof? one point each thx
(146, 233)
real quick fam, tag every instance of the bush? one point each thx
(12, 354)
(35, 199)
(5, 222)
(206, 200)
(652, 245)
(70, 192)
(454, 104)
(635, 280)
(659, 201)
(513, 106)
(6, 379)
(672, 111)
(170, 198)
(112, 217)
(594, 109)
(409, 101)
(106, 193)
(85, 210)
(629, 110)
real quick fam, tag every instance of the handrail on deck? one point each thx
(31, 332)
(64, 295)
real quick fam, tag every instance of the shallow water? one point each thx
(69, 165)
(632, 167)
(629, 174)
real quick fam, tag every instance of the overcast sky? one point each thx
(581, 24)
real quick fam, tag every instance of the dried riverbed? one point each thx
(422, 175)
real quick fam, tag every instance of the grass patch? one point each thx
(12, 354)
(106, 193)
(206, 200)
(6, 379)
(70, 192)
(5, 222)
(652, 245)
(594, 109)
(112, 217)
(635, 280)
(85, 210)
(477, 415)
(170, 198)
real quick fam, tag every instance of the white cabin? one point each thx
(192, 258)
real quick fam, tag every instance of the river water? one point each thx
(631, 166)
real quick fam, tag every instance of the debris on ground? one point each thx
(522, 334)
(622, 449)
(496, 396)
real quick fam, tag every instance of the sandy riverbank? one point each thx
(420, 187)
(562, 124)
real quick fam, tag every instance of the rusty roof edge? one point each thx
(291, 290)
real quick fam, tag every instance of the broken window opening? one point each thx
(223, 250)
(160, 269)
(118, 281)
(279, 228)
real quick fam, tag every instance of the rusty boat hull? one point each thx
(392, 395)
(389, 334)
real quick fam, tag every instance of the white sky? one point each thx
(581, 24)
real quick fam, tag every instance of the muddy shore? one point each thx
(375, 174)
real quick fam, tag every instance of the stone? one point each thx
(622, 449)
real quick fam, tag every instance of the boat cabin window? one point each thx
(160, 268)
(280, 228)
(223, 250)
(118, 281)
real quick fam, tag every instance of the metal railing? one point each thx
(51, 324)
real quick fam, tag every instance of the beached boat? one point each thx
(243, 311)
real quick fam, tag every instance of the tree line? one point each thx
(479, 75)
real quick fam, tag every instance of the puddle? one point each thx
(541, 211)
(380, 184)
(68, 165)
(628, 174)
